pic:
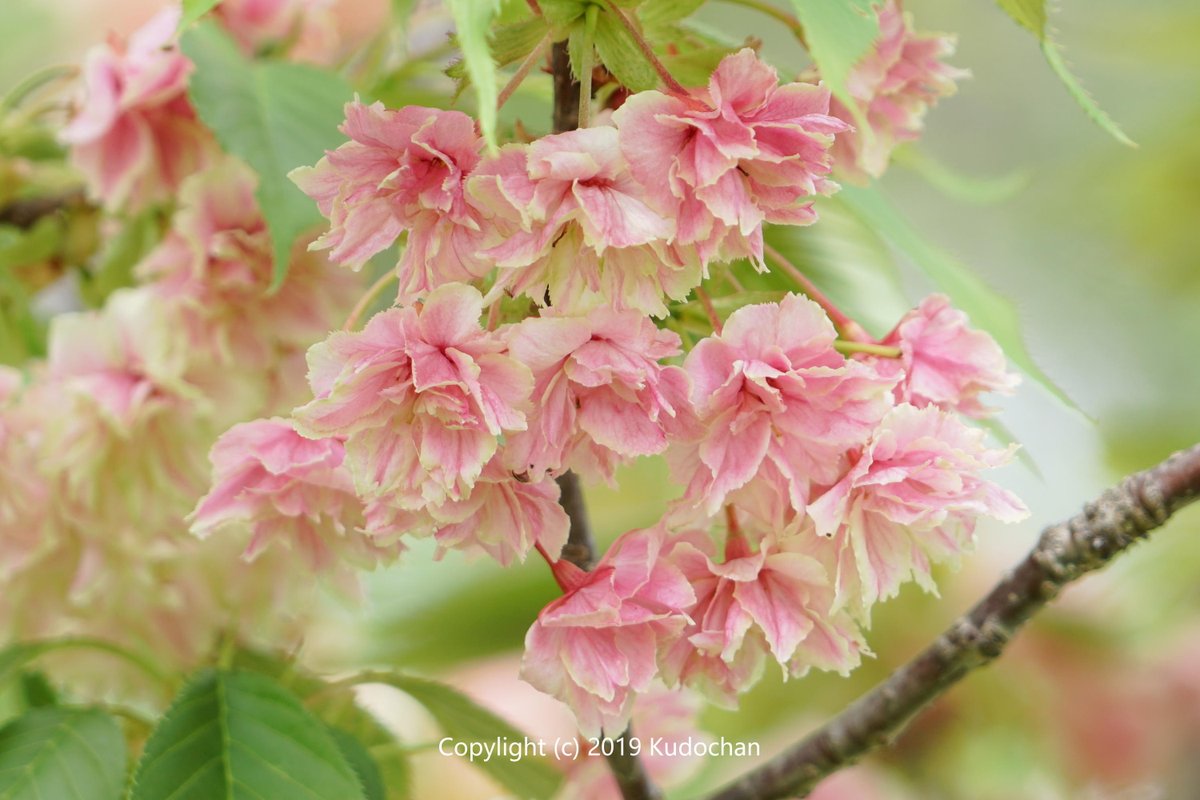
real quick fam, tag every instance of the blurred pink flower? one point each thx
(601, 396)
(893, 86)
(285, 488)
(421, 397)
(726, 159)
(402, 171)
(771, 387)
(911, 499)
(305, 29)
(597, 646)
(946, 363)
(136, 137)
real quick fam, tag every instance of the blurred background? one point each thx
(1096, 244)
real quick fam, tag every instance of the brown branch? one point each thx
(25, 212)
(580, 549)
(1119, 518)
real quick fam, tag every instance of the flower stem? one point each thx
(585, 69)
(363, 302)
(765, 7)
(706, 301)
(535, 55)
(869, 348)
(647, 51)
(849, 328)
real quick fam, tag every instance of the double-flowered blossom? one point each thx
(775, 600)
(723, 161)
(582, 234)
(772, 388)
(421, 396)
(910, 500)
(403, 171)
(893, 87)
(135, 137)
(598, 645)
(945, 362)
(601, 395)
(283, 488)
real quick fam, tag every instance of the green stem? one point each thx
(535, 55)
(883, 350)
(34, 82)
(647, 51)
(363, 302)
(590, 19)
(766, 7)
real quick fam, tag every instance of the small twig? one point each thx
(365, 301)
(1119, 518)
(706, 301)
(647, 51)
(536, 55)
(849, 328)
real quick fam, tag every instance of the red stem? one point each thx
(647, 51)
(850, 329)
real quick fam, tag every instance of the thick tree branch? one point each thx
(1120, 517)
(580, 549)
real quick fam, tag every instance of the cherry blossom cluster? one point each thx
(523, 344)
(103, 443)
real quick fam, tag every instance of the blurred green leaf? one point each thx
(462, 719)
(114, 268)
(36, 690)
(276, 117)
(1029, 14)
(472, 19)
(195, 9)
(241, 736)
(839, 34)
(62, 754)
(987, 309)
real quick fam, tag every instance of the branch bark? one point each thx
(580, 549)
(1119, 518)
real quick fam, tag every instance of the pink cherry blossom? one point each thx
(503, 516)
(581, 233)
(284, 488)
(402, 171)
(894, 86)
(946, 363)
(421, 397)
(726, 159)
(777, 600)
(305, 29)
(214, 271)
(601, 397)
(135, 137)
(597, 646)
(911, 499)
(771, 387)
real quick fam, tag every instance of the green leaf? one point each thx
(62, 754)
(37, 691)
(274, 116)
(839, 33)
(472, 18)
(114, 268)
(241, 736)
(361, 762)
(17, 655)
(1031, 15)
(195, 9)
(465, 720)
(622, 57)
(987, 309)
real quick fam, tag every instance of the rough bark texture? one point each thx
(580, 549)
(1119, 518)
